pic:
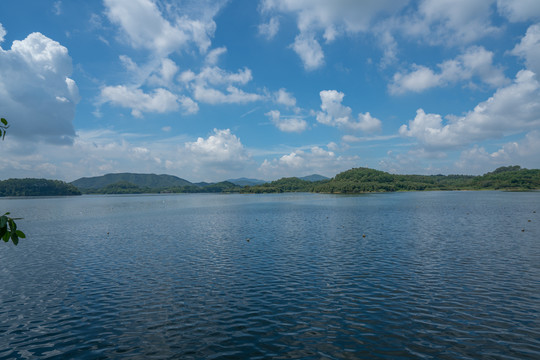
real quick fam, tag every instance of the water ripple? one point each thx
(443, 275)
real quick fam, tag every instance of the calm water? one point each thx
(438, 275)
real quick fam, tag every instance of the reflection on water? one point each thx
(438, 275)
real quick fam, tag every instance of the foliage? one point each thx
(290, 184)
(364, 180)
(3, 127)
(125, 187)
(509, 178)
(8, 229)
(36, 187)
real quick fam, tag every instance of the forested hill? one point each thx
(364, 180)
(36, 187)
(353, 181)
(151, 181)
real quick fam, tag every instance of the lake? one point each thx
(427, 275)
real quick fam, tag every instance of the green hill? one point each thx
(314, 177)
(291, 184)
(36, 187)
(151, 181)
(361, 180)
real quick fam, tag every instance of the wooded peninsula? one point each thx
(353, 181)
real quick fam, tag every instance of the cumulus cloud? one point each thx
(529, 48)
(303, 162)
(333, 17)
(524, 152)
(512, 109)
(270, 29)
(457, 21)
(159, 101)
(221, 151)
(164, 74)
(334, 113)
(159, 35)
(326, 19)
(287, 124)
(214, 158)
(475, 62)
(214, 85)
(519, 10)
(37, 95)
(282, 97)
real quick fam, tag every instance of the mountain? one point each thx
(246, 182)
(314, 177)
(152, 181)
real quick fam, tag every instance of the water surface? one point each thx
(438, 275)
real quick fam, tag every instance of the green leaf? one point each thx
(3, 221)
(4, 121)
(12, 225)
(3, 230)
(20, 234)
(14, 238)
(6, 236)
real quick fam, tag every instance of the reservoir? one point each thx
(412, 275)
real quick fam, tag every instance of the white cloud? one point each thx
(329, 19)
(2, 33)
(221, 151)
(287, 124)
(213, 56)
(309, 50)
(270, 29)
(233, 95)
(217, 76)
(475, 62)
(164, 75)
(301, 163)
(37, 96)
(214, 85)
(512, 109)
(334, 113)
(188, 105)
(283, 97)
(524, 152)
(334, 17)
(529, 48)
(159, 101)
(451, 22)
(368, 123)
(519, 10)
(215, 158)
(158, 34)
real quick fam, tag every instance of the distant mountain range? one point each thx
(353, 181)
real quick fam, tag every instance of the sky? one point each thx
(209, 90)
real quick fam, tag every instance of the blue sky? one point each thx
(211, 90)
